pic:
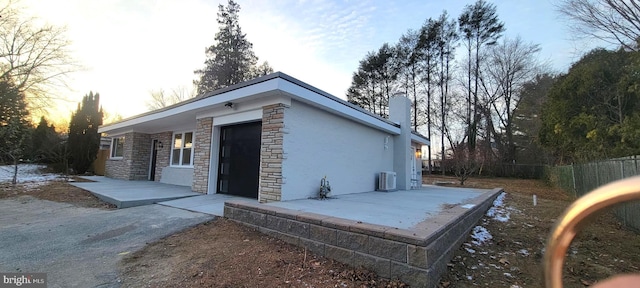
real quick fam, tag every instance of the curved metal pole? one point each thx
(567, 225)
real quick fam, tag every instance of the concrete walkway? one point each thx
(123, 193)
(210, 204)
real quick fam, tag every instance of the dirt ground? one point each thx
(57, 191)
(222, 253)
(513, 257)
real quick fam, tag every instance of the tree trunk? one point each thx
(415, 99)
(469, 96)
(14, 180)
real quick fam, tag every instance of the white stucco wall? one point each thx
(177, 176)
(317, 143)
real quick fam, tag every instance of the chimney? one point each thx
(400, 113)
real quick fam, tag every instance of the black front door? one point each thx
(239, 166)
(154, 158)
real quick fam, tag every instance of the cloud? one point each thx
(132, 47)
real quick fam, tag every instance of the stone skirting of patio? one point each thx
(417, 256)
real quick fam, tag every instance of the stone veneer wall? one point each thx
(140, 157)
(118, 168)
(163, 156)
(271, 153)
(202, 155)
(132, 166)
(418, 256)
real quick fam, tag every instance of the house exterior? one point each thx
(272, 138)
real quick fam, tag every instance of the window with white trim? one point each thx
(117, 147)
(182, 150)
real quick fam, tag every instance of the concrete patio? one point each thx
(400, 209)
(410, 234)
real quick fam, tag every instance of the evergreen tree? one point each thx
(231, 60)
(366, 89)
(43, 140)
(410, 72)
(14, 125)
(84, 139)
(13, 104)
(373, 84)
(592, 112)
(14, 122)
(527, 122)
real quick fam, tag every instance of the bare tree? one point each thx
(479, 28)
(160, 99)
(510, 64)
(613, 21)
(108, 118)
(447, 38)
(464, 165)
(36, 57)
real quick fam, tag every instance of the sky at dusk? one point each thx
(128, 48)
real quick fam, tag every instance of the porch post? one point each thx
(202, 155)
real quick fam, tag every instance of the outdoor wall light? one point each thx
(419, 153)
(228, 105)
(160, 145)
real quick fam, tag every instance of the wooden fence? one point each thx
(99, 165)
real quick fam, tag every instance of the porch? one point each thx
(124, 193)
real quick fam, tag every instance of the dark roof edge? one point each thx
(334, 98)
(261, 79)
(202, 96)
(414, 132)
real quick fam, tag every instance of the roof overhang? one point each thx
(420, 139)
(276, 87)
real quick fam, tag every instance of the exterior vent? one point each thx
(387, 181)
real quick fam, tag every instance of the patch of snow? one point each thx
(470, 278)
(499, 201)
(524, 252)
(498, 211)
(507, 274)
(470, 250)
(480, 235)
(468, 206)
(27, 173)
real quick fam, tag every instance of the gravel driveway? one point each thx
(80, 247)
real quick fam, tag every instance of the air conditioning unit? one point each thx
(387, 181)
